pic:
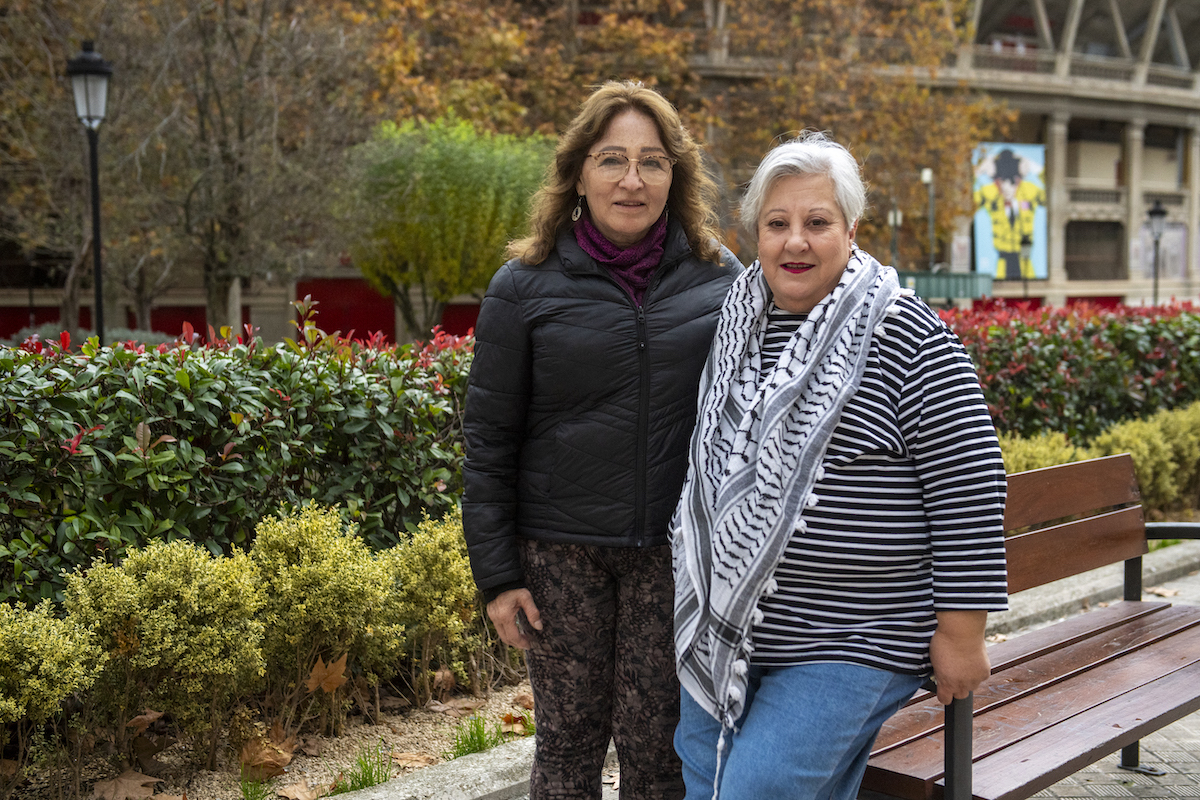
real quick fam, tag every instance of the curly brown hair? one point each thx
(693, 196)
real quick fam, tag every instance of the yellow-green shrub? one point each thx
(328, 595)
(1045, 450)
(1181, 429)
(437, 599)
(43, 661)
(181, 631)
(1153, 458)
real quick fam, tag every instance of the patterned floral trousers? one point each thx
(603, 667)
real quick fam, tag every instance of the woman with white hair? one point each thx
(839, 536)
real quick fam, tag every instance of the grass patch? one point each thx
(474, 736)
(372, 766)
(256, 790)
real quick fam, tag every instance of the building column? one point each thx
(1191, 270)
(1135, 137)
(1057, 199)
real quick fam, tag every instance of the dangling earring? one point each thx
(578, 212)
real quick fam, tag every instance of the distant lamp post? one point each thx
(89, 75)
(1158, 224)
(1026, 254)
(927, 179)
(895, 220)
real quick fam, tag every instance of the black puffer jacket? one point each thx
(580, 404)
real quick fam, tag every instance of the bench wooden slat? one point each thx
(1065, 490)
(1051, 755)
(915, 769)
(1021, 677)
(1060, 551)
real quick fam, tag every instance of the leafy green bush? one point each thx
(182, 633)
(328, 597)
(438, 600)
(1181, 429)
(1043, 450)
(1080, 370)
(43, 661)
(111, 448)
(1152, 458)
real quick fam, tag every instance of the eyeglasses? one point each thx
(653, 170)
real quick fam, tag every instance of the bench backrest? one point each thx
(1101, 505)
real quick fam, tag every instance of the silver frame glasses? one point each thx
(638, 165)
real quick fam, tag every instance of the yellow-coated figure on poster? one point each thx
(1011, 203)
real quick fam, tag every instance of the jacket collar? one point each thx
(575, 260)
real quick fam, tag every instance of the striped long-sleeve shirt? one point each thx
(909, 515)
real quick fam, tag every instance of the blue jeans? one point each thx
(806, 733)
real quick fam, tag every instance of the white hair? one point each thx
(810, 153)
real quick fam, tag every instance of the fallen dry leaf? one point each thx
(514, 723)
(129, 785)
(263, 760)
(997, 637)
(443, 682)
(8, 768)
(1162, 591)
(457, 707)
(299, 791)
(310, 746)
(143, 721)
(414, 759)
(524, 700)
(328, 678)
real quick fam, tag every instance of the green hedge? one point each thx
(1165, 448)
(1081, 370)
(112, 447)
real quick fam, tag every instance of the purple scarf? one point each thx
(632, 267)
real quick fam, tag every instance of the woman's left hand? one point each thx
(959, 654)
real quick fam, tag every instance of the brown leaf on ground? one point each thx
(457, 706)
(310, 746)
(514, 723)
(145, 748)
(143, 721)
(391, 702)
(443, 683)
(263, 760)
(414, 759)
(129, 785)
(280, 739)
(524, 700)
(299, 791)
(8, 768)
(1162, 591)
(327, 677)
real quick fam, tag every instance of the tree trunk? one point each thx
(68, 307)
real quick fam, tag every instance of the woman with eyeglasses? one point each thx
(582, 397)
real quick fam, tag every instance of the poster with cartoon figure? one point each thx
(1010, 211)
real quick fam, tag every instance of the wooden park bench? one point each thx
(1063, 696)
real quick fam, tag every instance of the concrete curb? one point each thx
(502, 773)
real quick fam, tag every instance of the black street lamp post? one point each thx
(927, 179)
(1158, 224)
(89, 75)
(895, 220)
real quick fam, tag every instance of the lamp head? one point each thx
(89, 75)
(1158, 219)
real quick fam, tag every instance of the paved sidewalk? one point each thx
(503, 773)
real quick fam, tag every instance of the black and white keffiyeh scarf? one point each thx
(754, 457)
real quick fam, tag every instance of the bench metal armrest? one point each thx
(1173, 530)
